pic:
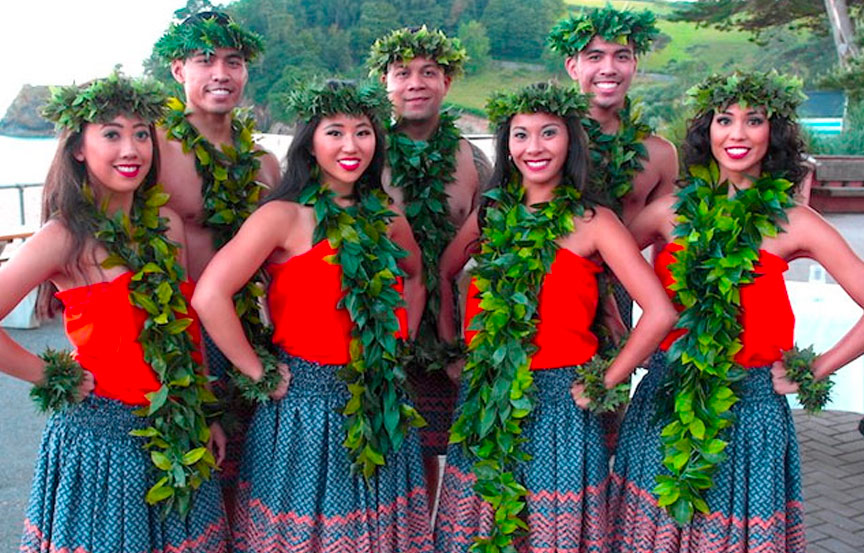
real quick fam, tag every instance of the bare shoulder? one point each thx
(598, 219)
(478, 159)
(270, 171)
(660, 149)
(53, 235)
(276, 213)
(45, 253)
(175, 222)
(804, 214)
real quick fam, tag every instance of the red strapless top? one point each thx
(303, 297)
(766, 314)
(567, 305)
(104, 327)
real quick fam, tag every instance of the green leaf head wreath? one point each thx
(570, 36)
(778, 93)
(546, 97)
(101, 100)
(204, 32)
(403, 45)
(322, 98)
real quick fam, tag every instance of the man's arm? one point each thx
(484, 172)
(663, 155)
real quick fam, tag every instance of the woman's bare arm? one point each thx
(229, 271)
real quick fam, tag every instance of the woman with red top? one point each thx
(90, 489)
(541, 169)
(753, 499)
(327, 223)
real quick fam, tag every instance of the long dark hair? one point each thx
(64, 201)
(301, 162)
(577, 165)
(784, 158)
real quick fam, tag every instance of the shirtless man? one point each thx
(435, 177)
(208, 54)
(213, 79)
(631, 165)
(602, 46)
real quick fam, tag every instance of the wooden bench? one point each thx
(838, 184)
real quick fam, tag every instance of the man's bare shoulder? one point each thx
(270, 172)
(660, 147)
(471, 153)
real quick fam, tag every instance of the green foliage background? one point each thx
(505, 39)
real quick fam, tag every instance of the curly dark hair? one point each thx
(785, 156)
(576, 168)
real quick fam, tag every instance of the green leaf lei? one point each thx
(571, 36)
(592, 374)
(517, 249)
(403, 45)
(178, 432)
(422, 170)
(378, 415)
(230, 194)
(616, 158)
(721, 237)
(812, 394)
(59, 387)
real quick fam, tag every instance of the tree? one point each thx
(476, 42)
(758, 16)
(517, 29)
(377, 18)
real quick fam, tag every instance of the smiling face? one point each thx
(117, 155)
(740, 140)
(604, 69)
(212, 83)
(538, 145)
(343, 146)
(416, 89)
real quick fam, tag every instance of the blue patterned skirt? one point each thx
(297, 492)
(234, 420)
(566, 479)
(89, 487)
(755, 502)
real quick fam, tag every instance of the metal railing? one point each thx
(20, 188)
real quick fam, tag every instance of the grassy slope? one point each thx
(720, 50)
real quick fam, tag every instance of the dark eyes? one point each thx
(752, 121)
(142, 135)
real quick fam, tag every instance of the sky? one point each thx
(56, 42)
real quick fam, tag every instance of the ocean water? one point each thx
(22, 161)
